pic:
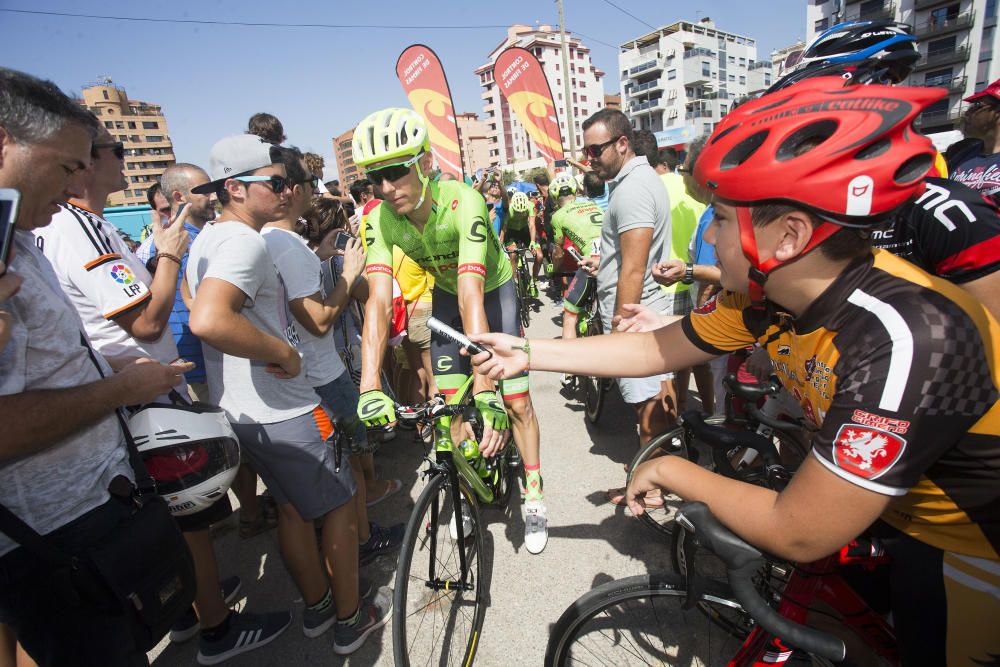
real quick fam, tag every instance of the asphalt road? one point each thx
(590, 540)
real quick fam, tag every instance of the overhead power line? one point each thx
(338, 26)
(628, 13)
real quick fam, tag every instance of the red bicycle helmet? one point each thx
(847, 153)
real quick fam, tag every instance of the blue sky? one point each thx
(321, 81)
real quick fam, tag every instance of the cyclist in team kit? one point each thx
(897, 369)
(576, 223)
(519, 228)
(444, 227)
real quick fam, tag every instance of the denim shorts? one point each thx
(340, 398)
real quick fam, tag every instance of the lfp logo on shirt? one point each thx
(122, 274)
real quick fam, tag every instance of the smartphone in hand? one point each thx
(10, 203)
(341, 241)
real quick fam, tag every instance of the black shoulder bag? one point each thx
(142, 569)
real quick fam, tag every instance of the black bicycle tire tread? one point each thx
(603, 596)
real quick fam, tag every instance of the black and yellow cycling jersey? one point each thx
(900, 371)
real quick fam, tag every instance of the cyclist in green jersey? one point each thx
(444, 227)
(576, 223)
(519, 227)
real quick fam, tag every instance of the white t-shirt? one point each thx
(234, 252)
(48, 350)
(104, 280)
(302, 273)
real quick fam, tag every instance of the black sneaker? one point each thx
(246, 632)
(187, 626)
(380, 541)
(375, 611)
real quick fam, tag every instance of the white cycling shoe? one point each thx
(467, 524)
(536, 526)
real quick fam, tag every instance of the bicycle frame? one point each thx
(818, 582)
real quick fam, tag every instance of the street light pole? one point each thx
(570, 127)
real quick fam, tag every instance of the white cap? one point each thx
(232, 156)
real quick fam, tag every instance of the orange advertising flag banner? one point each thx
(522, 81)
(423, 79)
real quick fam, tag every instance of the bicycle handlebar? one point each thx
(750, 392)
(723, 439)
(742, 561)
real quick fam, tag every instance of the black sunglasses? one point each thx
(277, 183)
(117, 148)
(980, 104)
(594, 151)
(311, 180)
(392, 173)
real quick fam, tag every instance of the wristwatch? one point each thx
(688, 274)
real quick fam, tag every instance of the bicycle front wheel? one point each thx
(642, 621)
(437, 615)
(593, 388)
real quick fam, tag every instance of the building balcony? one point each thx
(942, 57)
(635, 89)
(955, 85)
(944, 117)
(760, 64)
(933, 26)
(924, 4)
(646, 67)
(645, 106)
(698, 113)
(886, 11)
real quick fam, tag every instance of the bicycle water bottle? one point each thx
(470, 450)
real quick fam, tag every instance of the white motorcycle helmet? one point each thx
(190, 451)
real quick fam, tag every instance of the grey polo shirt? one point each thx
(637, 199)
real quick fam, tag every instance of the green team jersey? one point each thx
(457, 239)
(516, 222)
(580, 222)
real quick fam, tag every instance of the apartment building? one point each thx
(142, 128)
(509, 142)
(957, 40)
(474, 141)
(687, 73)
(347, 171)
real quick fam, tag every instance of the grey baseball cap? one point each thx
(232, 156)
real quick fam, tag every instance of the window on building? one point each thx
(941, 46)
(154, 138)
(732, 60)
(722, 109)
(105, 94)
(574, 97)
(581, 70)
(822, 24)
(576, 111)
(583, 98)
(108, 124)
(558, 82)
(557, 67)
(150, 125)
(767, 79)
(938, 77)
(119, 125)
(706, 128)
(743, 62)
(986, 46)
(732, 77)
(122, 138)
(131, 125)
(671, 74)
(743, 80)
(991, 9)
(706, 68)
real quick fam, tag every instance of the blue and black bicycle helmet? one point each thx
(862, 51)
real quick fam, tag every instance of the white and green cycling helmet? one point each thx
(519, 203)
(393, 133)
(563, 185)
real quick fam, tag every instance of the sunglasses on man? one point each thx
(277, 183)
(117, 149)
(391, 172)
(594, 151)
(981, 104)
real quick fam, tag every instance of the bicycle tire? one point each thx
(418, 608)
(523, 280)
(506, 474)
(641, 621)
(593, 388)
(675, 442)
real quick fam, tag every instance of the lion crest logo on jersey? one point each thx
(122, 274)
(866, 452)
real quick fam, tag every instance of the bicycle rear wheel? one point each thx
(523, 281)
(641, 621)
(431, 623)
(593, 388)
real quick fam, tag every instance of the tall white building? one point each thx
(688, 74)
(957, 40)
(509, 142)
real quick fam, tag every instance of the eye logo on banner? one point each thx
(522, 81)
(422, 76)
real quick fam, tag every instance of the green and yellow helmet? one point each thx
(389, 133)
(519, 203)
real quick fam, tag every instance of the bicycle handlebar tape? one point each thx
(722, 438)
(742, 562)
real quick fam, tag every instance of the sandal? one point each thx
(394, 486)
